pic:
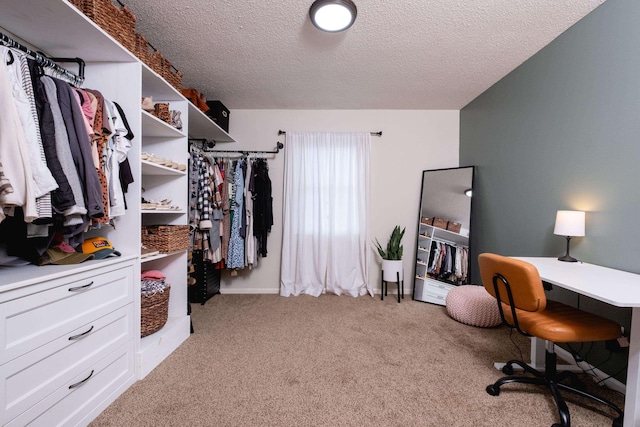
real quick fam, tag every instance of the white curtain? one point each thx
(326, 214)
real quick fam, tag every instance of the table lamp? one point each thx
(569, 224)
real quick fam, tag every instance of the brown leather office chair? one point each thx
(523, 305)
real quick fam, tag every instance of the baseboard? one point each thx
(248, 291)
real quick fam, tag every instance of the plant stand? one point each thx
(392, 272)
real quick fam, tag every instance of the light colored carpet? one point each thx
(265, 360)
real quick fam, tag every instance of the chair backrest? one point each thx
(523, 279)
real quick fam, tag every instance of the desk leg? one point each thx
(538, 358)
(631, 404)
(537, 353)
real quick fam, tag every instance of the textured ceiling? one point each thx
(407, 54)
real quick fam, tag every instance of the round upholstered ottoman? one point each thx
(473, 305)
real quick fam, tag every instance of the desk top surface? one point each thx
(615, 287)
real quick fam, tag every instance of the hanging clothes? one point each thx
(236, 240)
(262, 205)
(61, 151)
(19, 188)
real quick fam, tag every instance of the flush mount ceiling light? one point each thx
(333, 15)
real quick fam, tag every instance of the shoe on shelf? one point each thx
(146, 252)
(147, 205)
(165, 205)
(157, 160)
(176, 120)
(147, 103)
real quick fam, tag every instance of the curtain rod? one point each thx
(45, 61)
(207, 146)
(379, 133)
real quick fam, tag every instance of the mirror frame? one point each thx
(469, 237)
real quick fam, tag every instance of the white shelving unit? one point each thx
(162, 182)
(58, 29)
(426, 287)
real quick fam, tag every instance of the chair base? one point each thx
(552, 380)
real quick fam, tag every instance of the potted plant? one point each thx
(392, 256)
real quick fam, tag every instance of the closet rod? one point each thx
(45, 61)
(211, 144)
(379, 133)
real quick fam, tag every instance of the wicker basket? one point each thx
(174, 79)
(161, 111)
(454, 226)
(118, 22)
(141, 48)
(440, 223)
(154, 311)
(166, 238)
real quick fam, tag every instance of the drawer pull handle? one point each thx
(75, 337)
(79, 288)
(79, 383)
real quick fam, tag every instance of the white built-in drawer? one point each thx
(77, 406)
(34, 319)
(435, 292)
(59, 363)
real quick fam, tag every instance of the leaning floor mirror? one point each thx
(444, 222)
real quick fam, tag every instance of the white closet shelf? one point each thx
(163, 211)
(154, 127)
(80, 37)
(153, 84)
(202, 127)
(150, 168)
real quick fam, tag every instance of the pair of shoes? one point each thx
(146, 252)
(176, 121)
(165, 205)
(152, 158)
(147, 103)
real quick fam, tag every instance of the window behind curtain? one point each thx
(326, 226)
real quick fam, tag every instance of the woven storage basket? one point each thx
(154, 311)
(119, 23)
(155, 61)
(79, 4)
(440, 223)
(141, 48)
(161, 111)
(174, 79)
(166, 238)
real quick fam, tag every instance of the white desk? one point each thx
(614, 287)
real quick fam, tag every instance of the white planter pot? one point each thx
(390, 270)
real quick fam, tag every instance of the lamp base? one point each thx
(566, 257)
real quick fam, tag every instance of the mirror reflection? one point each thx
(442, 249)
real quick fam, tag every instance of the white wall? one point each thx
(412, 141)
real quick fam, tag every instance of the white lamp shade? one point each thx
(569, 223)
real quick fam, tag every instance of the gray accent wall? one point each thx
(562, 131)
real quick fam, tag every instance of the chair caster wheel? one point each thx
(493, 390)
(507, 370)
